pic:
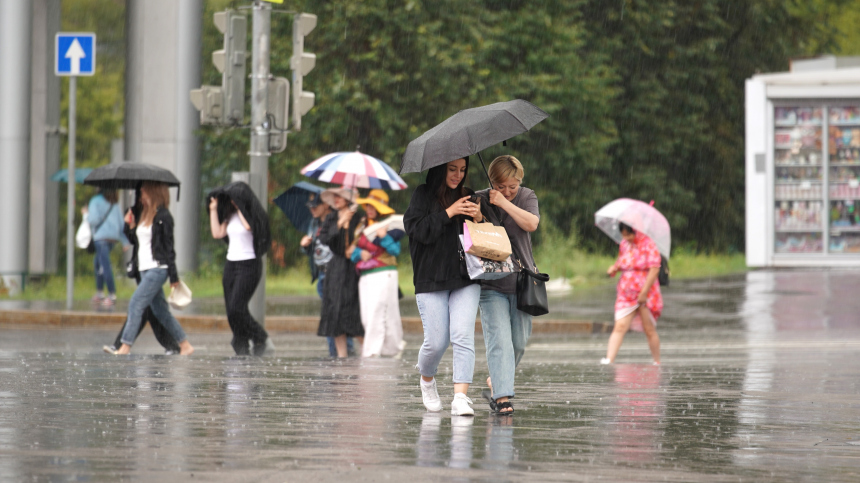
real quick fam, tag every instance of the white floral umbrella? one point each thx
(638, 215)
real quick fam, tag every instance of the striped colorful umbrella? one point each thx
(354, 170)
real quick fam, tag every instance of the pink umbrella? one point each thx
(638, 215)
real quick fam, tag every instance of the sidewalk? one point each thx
(284, 314)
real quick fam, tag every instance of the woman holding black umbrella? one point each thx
(236, 215)
(447, 299)
(155, 260)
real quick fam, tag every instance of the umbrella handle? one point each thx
(481, 158)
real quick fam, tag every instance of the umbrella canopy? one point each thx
(468, 132)
(128, 175)
(293, 203)
(355, 170)
(62, 175)
(638, 215)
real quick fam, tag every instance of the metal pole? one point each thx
(259, 152)
(70, 200)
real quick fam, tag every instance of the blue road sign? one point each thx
(75, 54)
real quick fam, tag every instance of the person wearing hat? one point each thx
(319, 255)
(341, 316)
(375, 259)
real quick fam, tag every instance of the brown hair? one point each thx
(159, 197)
(505, 167)
(110, 195)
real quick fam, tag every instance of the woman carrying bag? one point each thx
(236, 216)
(506, 328)
(376, 262)
(447, 299)
(155, 260)
(103, 215)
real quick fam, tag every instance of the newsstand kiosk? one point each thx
(803, 166)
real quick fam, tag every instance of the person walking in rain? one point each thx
(105, 219)
(319, 255)
(638, 303)
(447, 299)
(155, 260)
(341, 314)
(376, 261)
(163, 337)
(236, 216)
(506, 328)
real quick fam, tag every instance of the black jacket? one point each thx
(162, 241)
(240, 193)
(434, 243)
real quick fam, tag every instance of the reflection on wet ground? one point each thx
(763, 393)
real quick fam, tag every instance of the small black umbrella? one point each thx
(293, 203)
(128, 175)
(469, 132)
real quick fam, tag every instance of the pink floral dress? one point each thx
(634, 261)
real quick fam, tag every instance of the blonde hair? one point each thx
(505, 167)
(158, 196)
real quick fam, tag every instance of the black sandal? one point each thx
(497, 407)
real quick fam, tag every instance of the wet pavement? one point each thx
(759, 382)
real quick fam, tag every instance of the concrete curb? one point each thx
(218, 323)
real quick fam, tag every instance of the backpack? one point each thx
(663, 275)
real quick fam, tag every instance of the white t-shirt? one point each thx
(241, 240)
(145, 261)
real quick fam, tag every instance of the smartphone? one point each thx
(473, 199)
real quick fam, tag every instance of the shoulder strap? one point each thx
(110, 207)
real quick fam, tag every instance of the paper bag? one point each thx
(486, 240)
(486, 269)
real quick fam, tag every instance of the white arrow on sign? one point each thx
(75, 54)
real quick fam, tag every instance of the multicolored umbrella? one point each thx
(638, 215)
(354, 170)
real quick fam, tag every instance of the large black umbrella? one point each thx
(469, 132)
(293, 203)
(128, 175)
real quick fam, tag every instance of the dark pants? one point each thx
(161, 335)
(240, 280)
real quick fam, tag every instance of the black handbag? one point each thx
(531, 292)
(663, 275)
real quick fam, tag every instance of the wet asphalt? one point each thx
(759, 382)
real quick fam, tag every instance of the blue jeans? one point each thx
(448, 317)
(101, 264)
(506, 332)
(149, 294)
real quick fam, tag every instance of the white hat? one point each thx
(180, 296)
(349, 194)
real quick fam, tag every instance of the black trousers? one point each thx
(240, 280)
(161, 334)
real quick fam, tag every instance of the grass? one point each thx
(557, 255)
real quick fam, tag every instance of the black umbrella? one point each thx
(293, 203)
(469, 132)
(128, 175)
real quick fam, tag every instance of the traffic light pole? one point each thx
(259, 151)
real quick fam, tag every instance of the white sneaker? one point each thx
(605, 361)
(460, 406)
(430, 396)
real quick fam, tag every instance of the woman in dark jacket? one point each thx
(341, 313)
(447, 299)
(155, 261)
(236, 216)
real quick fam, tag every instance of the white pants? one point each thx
(380, 314)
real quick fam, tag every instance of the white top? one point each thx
(241, 240)
(144, 249)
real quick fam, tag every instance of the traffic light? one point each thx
(208, 101)
(230, 61)
(279, 113)
(301, 64)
